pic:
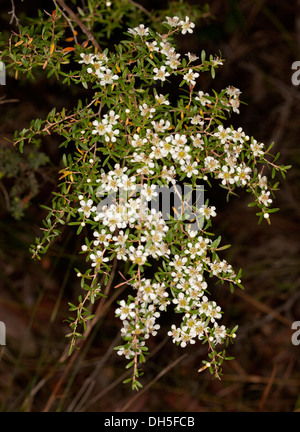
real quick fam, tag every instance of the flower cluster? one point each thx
(153, 142)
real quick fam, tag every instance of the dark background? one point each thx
(259, 41)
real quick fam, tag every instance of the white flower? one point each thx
(265, 198)
(197, 120)
(138, 255)
(127, 183)
(219, 333)
(185, 339)
(173, 22)
(193, 250)
(87, 207)
(233, 91)
(216, 267)
(235, 103)
(101, 128)
(208, 212)
(182, 301)
(192, 57)
(190, 76)
(186, 26)
(137, 141)
(190, 169)
(127, 352)
(101, 57)
(211, 163)
(197, 141)
(262, 181)
(161, 73)
(161, 126)
(148, 191)
(201, 97)
(162, 100)
(125, 310)
(152, 46)
(86, 58)
(179, 262)
(182, 155)
(166, 48)
(175, 333)
(226, 175)
(102, 238)
(111, 118)
(239, 136)
(98, 259)
(216, 62)
(179, 140)
(257, 148)
(168, 174)
(173, 61)
(205, 306)
(215, 312)
(110, 134)
(146, 110)
(222, 134)
(106, 76)
(243, 174)
(141, 30)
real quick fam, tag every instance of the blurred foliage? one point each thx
(19, 177)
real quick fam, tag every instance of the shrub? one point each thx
(144, 130)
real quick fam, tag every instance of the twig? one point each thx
(69, 22)
(267, 389)
(139, 6)
(157, 378)
(79, 22)
(13, 14)
(4, 101)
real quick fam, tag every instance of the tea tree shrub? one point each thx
(145, 127)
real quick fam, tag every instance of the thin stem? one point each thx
(75, 18)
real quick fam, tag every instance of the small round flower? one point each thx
(226, 175)
(265, 198)
(208, 212)
(233, 91)
(190, 169)
(192, 57)
(257, 148)
(161, 99)
(152, 46)
(186, 26)
(161, 73)
(106, 76)
(141, 30)
(127, 352)
(175, 333)
(219, 333)
(87, 207)
(98, 259)
(211, 163)
(191, 76)
(100, 128)
(223, 134)
(262, 181)
(173, 22)
(125, 310)
(243, 174)
(137, 256)
(202, 98)
(86, 58)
